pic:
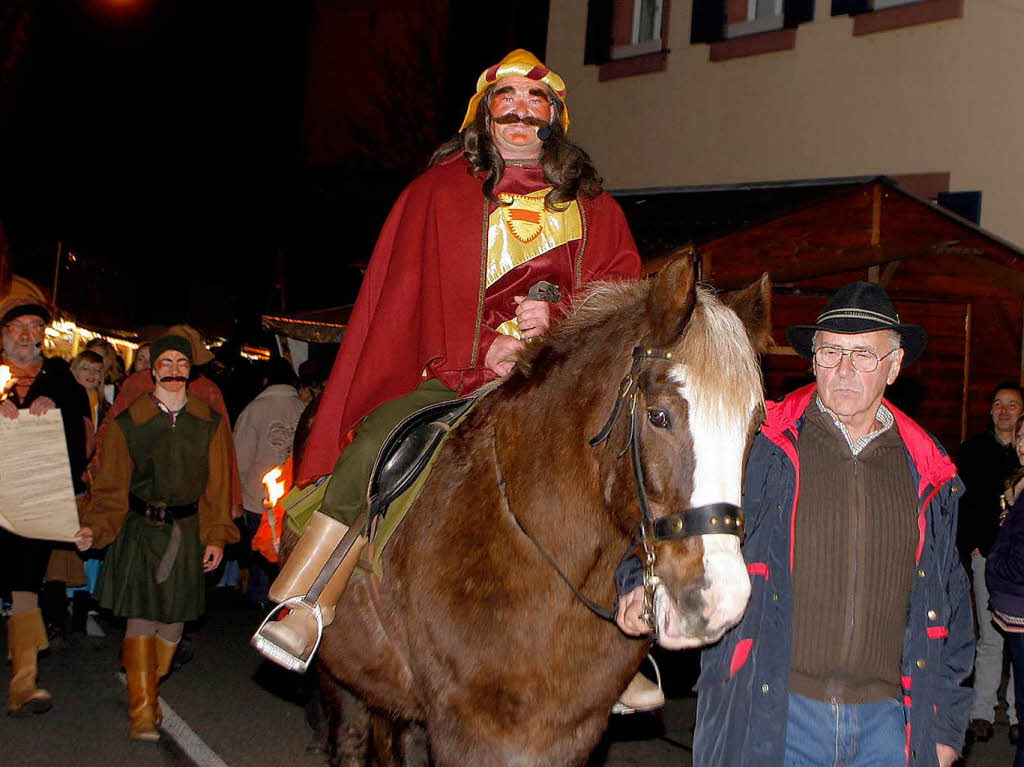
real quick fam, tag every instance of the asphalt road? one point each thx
(233, 709)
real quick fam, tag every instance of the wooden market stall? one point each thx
(964, 285)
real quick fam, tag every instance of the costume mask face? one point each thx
(516, 99)
(171, 371)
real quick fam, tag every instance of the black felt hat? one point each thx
(860, 307)
(169, 342)
(20, 306)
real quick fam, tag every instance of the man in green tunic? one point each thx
(162, 502)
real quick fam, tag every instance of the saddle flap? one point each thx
(407, 450)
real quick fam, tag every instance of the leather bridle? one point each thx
(711, 518)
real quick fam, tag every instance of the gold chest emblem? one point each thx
(525, 217)
(524, 229)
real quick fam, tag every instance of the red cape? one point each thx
(419, 302)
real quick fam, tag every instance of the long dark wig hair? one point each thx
(567, 167)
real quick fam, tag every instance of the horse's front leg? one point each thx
(398, 743)
(414, 746)
(348, 722)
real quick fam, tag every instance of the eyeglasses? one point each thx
(863, 360)
(20, 327)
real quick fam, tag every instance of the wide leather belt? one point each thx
(159, 512)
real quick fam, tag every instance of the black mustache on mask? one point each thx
(183, 379)
(512, 118)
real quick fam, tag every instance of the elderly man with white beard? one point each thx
(40, 385)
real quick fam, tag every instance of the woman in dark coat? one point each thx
(1004, 573)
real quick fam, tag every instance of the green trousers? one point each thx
(345, 497)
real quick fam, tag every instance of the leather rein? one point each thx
(711, 518)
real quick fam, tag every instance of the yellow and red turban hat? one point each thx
(522, 63)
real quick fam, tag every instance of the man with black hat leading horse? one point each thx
(858, 635)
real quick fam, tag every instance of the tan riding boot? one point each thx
(641, 694)
(296, 634)
(26, 636)
(164, 658)
(138, 655)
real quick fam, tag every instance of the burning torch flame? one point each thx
(5, 379)
(274, 485)
(275, 489)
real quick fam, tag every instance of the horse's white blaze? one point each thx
(719, 432)
(719, 435)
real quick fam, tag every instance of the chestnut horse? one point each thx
(471, 631)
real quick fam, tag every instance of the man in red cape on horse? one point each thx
(444, 308)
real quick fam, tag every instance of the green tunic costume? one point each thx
(162, 460)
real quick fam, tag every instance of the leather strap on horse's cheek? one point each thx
(606, 430)
(721, 518)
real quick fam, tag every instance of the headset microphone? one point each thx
(544, 133)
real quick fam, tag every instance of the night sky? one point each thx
(191, 152)
(158, 141)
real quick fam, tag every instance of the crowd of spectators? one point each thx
(48, 587)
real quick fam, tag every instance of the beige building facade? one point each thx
(926, 87)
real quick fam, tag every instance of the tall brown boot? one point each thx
(296, 634)
(26, 636)
(138, 655)
(164, 658)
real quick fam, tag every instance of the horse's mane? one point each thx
(715, 347)
(600, 303)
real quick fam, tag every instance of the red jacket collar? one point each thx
(934, 467)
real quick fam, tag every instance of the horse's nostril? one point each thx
(691, 600)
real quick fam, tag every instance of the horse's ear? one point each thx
(753, 305)
(671, 301)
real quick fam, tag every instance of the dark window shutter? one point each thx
(964, 204)
(599, 32)
(708, 25)
(796, 12)
(851, 7)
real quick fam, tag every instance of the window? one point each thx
(878, 5)
(761, 16)
(870, 16)
(721, 20)
(644, 30)
(627, 37)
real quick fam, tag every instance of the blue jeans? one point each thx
(820, 734)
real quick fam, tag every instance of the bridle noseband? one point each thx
(709, 519)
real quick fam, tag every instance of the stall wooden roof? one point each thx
(812, 229)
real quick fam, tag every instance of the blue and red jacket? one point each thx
(743, 689)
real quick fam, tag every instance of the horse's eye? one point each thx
(658, 418)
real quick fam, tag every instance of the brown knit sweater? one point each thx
(855, 534)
